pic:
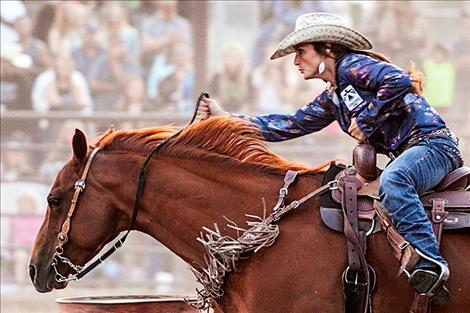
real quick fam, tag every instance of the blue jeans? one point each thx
(418, 169)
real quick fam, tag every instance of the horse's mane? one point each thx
(215, 137)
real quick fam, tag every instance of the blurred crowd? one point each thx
(84, 57)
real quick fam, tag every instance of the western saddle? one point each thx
(353, 207)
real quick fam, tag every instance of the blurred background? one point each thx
(89, 64)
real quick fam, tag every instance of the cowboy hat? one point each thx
(321, 27)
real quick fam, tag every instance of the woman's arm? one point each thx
(311, 118)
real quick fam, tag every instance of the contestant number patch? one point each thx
(351, 98)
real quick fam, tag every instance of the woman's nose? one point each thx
(296, 60)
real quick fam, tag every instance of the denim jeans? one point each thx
(418, 169)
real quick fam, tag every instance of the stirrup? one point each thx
(418, 277)
(423, 282)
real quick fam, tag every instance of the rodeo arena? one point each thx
(133, 181)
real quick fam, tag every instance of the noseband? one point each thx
(80, 271)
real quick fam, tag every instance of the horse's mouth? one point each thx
(50, 285)
(47, 282)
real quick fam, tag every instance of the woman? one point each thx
(373, 101)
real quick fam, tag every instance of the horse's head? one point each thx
(66, 240)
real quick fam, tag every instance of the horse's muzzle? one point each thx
(44, 283)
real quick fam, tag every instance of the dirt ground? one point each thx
(27, 300)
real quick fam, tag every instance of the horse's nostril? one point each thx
(32, 272)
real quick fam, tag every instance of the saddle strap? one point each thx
(420, 304)
(401, 248)
(350, 208)
(438, 215)
(357, 292)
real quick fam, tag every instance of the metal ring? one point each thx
(371, 230)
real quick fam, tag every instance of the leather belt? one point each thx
(441, 132)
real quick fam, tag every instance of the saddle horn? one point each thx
(365, 161)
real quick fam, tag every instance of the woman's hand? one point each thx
(356, 132)
(209, 107)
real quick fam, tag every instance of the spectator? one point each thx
(274, 85)
(278, 18)
(24, 227)
(110, 73)
(10, 11)
(56, 158)
(461, 58)
(90, 50)
(231, 84)
(21, 69)
(43, 21)
(170, 82)
(162, 31)
(64, 35)
(440, 78)
(133, 100)
(15, 163)
(399, 30)
(117, 22)
(61, 87)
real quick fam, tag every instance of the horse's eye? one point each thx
(53, 202)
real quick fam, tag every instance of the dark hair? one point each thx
(339, 50)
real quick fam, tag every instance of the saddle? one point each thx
(454, 189)
(354, 209)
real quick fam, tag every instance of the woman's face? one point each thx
(307, 60)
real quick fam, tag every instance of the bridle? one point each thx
(78, 270)
(62, 238)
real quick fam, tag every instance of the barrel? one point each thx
(127, 304)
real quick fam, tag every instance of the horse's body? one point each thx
(214, 169)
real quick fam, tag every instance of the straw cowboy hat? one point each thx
(321, 27)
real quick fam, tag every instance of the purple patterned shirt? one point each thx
(377, 93)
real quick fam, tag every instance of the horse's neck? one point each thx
(182, 196)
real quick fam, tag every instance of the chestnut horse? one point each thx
(215, 168)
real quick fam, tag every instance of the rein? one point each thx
(80, 185)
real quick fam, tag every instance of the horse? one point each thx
(216, 169)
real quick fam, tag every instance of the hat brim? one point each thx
(322, 33)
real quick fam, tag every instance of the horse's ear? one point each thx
(80, 146)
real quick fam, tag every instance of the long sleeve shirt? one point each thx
(378, 94)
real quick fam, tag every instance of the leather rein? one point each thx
(80, 184)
